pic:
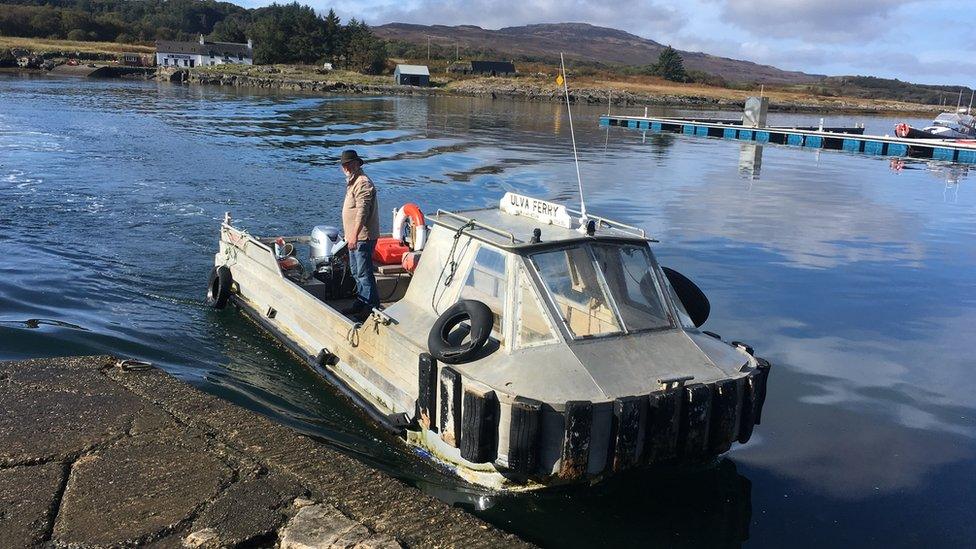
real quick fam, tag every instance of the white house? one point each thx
(202, 53)
(411, 75)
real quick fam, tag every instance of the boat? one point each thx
(521, 346)
(948, 125)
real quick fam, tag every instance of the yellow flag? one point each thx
(559, 80)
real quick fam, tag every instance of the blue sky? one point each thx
(928, 41)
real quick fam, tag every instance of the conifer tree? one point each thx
(670, 66)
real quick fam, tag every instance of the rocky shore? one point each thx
(527, 90)
(95, 452)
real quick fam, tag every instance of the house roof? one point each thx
(420, 70)
(222, 49)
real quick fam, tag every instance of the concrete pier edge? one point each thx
(92, 454)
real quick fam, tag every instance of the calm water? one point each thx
(852, 275)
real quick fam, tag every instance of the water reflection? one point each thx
(750, 160)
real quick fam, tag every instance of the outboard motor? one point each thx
(330, 265)
(324, 243)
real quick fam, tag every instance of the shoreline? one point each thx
(515, 89)
(533, 91)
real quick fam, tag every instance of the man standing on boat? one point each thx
(361, 226)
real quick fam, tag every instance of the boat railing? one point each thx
(475, 223)
(614, 224)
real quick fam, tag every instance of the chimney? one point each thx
(250, 45)
(201, 39)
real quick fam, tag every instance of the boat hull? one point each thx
(487, 436)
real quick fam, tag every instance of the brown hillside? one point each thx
(585, 42)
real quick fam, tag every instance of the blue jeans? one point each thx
(361, 265)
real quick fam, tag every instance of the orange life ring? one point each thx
(418, 226)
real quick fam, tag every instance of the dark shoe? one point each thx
(356, 309)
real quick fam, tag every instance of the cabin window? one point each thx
(486, 283)
(631, 279)
(602, 289)
(571, 277)
(532, 323)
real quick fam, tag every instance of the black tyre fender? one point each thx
(481, 320)
(218, 289)
(691, 296)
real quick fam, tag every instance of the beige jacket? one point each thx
(360, 204)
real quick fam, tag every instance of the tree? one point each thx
(670, 66)
(333, 31)
(231, 29)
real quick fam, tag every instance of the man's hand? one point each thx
(354, 233)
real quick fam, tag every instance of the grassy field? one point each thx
(43, 45)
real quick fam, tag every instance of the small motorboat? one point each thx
(518, 346)
(948, 125)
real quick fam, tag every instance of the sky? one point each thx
(924, 41)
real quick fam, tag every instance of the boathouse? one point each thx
(203, 53)
(411, 75)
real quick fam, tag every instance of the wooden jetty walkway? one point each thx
(840, 139)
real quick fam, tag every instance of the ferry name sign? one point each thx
(547, 212)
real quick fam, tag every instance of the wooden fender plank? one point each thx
(662, 424)
(523, 435)
(629, 415)
(427, 393)
(725, 410)
(450, 408)
(695, 416)
(761, 380)
(479, 426)
(576, 444)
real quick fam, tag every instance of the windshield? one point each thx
(603, 288)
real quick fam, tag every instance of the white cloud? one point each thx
(813, 20)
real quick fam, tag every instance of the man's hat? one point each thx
(350, 155)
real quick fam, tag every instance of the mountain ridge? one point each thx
(583, 41)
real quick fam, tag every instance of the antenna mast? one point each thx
(572, 133)
(971, 96)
